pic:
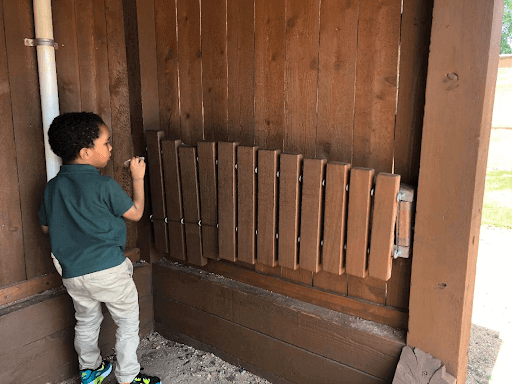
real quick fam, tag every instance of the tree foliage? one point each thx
(506, 28)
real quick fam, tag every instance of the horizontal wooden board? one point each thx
(377, 313)
(319, 330)
(285, 360)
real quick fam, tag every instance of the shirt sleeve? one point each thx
(43, 219)
(116, 198)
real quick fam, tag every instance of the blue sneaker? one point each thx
(96, 376)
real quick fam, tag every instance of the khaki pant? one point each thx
(115, 288)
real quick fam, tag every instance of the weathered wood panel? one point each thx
(215, 69)
(168, 57)
(267, 207)
(376, 84)
(28, 135)
(290, 170)
(189, 62)
(336, 79)
(227, 201)
(246, 171)
(241, 71)
(269, 79)
(383, 225)
(312, 214)
(335, 216)
(12, 258)
(191, 212)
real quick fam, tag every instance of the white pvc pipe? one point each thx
(47, 79)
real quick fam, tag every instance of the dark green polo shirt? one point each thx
(83, 210)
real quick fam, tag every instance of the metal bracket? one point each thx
(401, 251)
(36, 42)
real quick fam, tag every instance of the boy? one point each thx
(83, 212)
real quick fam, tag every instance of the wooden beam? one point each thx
(456, 130)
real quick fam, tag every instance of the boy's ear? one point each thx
(84, 153)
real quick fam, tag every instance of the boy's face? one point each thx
(101, 152)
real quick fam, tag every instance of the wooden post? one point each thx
(461, 78)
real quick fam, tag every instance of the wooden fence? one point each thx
(262, 208)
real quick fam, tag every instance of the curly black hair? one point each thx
(70, 132)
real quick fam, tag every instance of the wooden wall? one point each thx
(301, 76)
(93, 62)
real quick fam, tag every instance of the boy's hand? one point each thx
(137, 167)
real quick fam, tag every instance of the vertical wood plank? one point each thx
(414, 49)
(246, 161)
(311, 212)
(459, 104)
(173, 198)
(28, 132)
(383, 225)
(290, 169)
(227, 201)
(269, 83)
(336, 79)
(66, 57)
(241, 64)
(267, 207)
(190, 189)
(167, 65)
(215, 69)
(335, 218)
(93, 61)
(207, 154)
(301, 76)
(361, 182)
(376, 84)
(120, 104)
(12, 259)
(156, 183)
(190, 79)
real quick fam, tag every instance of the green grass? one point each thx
(497, 209)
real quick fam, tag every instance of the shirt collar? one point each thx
(77, 168)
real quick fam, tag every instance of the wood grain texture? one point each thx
(383, 225)
(321, 331)
(194, 245)
(246, 183)
(28, 136)
(22, 290)
(335, 216)
(311, 214)
(190, 77)
(378, 313)
(269, 80)
(336, 79)
(227, 201)
(210, 236)
(419, 366)
(283, 359)
(361, 183)
(301, 76)
(168, 51)
(215, 69)
(12, 258)
(290, 169)
(66, 57)
(456, 132)
(207, 155)
(241, 71)
(267, 207)
(414, 43)
(376, 84)
(172, 179)
(177, 244)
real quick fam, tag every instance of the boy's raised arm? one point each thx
(138, 169)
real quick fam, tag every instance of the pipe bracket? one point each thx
(40, 41)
